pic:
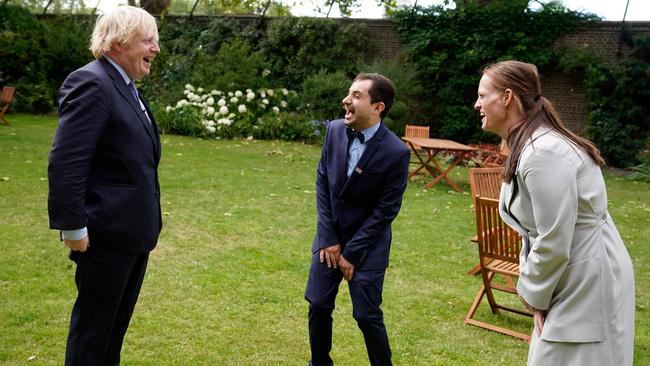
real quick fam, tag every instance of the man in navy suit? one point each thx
(104, 194)
(360, 182)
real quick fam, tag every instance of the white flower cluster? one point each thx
(220, 108)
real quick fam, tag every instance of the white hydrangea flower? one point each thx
(214, 92)
(210, 101)
(276, 110)
(249, 90)
(285, 91)
(223, 110)
(231, 115)
(270, 92)
(211, 129)
(186, 92)
(250, 137)
(234, 100)
(168, 108)
(222, 102)
(199, 90)
(262, 94)
(250, 96)
(241, 108)
(189, 87)
(283, 104)
(265, 101)
(230, 94)
(239, 94)
(266, 72)
(210, 111)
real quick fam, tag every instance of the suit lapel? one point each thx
(373, 144)
(123, 89)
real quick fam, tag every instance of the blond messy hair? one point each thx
(119, 27)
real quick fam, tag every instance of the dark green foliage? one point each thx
(322, 94)
(619, 101)
(37, 55)
(186, 46)
(408, 102)
(297, 48)
(450, 47)
(234, 66)
(642, 171)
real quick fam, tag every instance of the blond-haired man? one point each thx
(103, 182)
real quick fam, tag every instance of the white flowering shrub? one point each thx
(261, 114)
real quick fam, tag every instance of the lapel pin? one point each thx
(358, 170)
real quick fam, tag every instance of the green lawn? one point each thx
(225, 285)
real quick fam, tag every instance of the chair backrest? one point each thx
(416, 131)
(496, 240)
(7, 94)
(485, 182)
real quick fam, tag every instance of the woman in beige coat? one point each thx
(576, 275)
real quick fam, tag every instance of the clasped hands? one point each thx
(332, 255)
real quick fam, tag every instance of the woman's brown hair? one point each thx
(522, 78)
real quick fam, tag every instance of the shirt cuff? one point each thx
(75, 234)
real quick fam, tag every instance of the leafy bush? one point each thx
(265, 113)
(451, 46)
(641, 172)
(408, 103)
(322, 94)
(297, 48)
(186, 120)
(619, 101)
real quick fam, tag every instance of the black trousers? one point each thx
(365, 291)
(108, 285)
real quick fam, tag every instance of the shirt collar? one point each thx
(369, 132)
(119, 68)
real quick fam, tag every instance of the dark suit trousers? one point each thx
(108, 284)
(365, 292)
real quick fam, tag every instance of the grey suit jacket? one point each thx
(573, 261)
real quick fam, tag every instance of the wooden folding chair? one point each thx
(498, 248)
(416, 131)
(484, 182)
(6, 98)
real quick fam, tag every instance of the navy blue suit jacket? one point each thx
(103, 167)
(357, 212)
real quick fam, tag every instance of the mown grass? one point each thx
(225, 285)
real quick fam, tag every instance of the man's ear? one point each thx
(379, 107)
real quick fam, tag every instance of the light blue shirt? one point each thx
(357, 148)
(79, 234)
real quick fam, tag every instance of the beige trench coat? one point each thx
(573, 261)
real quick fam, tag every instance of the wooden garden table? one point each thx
(429, 163)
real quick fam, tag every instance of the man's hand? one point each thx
(539, 316)
(347, 268)
(331, 255)
(77, 245)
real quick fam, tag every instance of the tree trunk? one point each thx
(47, 6)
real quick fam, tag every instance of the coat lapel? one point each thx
(123, 89)
(373, 144)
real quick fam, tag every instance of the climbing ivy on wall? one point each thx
(450, 47)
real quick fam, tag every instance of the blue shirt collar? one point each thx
(369, 132)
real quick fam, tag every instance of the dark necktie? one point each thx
(134, 91)
(352, 134)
